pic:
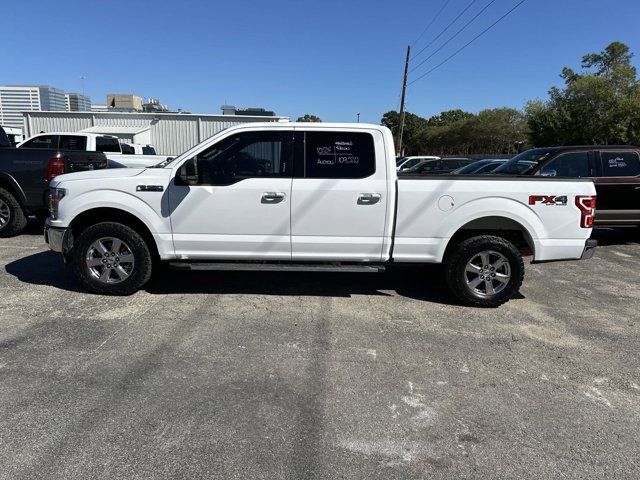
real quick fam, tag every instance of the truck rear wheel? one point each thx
(484, 271)
(111, 259)
(13, 220)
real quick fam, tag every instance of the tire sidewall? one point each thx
(142, 257)
(467, 250)
(17, 218)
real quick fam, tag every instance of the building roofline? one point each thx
(154, 114)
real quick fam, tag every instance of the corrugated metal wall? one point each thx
(171, 134)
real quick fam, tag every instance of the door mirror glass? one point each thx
(188, 172)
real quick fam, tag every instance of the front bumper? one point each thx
(589, 249)
(55, 237)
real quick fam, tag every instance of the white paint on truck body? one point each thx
(323, 218)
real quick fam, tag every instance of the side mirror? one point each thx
(188, 173)
(548, 173)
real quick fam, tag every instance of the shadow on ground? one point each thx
(420, 283)
(617, 236)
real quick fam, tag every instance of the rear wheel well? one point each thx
(11, 188)
(502, 227)
(99, 215)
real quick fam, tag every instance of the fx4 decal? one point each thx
(548, 200)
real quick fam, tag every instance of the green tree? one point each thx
(413, 124)
(309, 118)
(599, 105)
(498, 130)
(448, 118)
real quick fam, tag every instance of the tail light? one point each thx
(56, 167)
(587, 206)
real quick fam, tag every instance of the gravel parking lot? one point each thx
(273, 375)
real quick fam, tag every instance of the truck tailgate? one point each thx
(80, 161)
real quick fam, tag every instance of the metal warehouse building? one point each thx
(170, 133)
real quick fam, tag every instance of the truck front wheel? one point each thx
(484, 271)
(111, 259)
(12, 218)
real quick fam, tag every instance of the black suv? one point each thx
(614, 169)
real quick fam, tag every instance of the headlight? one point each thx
(55, 195)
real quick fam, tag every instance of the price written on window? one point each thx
(338, 153)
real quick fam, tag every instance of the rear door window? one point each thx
(106, 144)
(620, 164)
(73, 142)
(42, 141)
(571, 165)
(339, 155)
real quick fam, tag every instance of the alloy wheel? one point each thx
(487, 273)
(110, 260)
(5, 213)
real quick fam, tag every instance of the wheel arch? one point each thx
(12, 186)
(97, 215)
(497, 225)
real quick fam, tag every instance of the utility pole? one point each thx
(404, 91)
(358, 118)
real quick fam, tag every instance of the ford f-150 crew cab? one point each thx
(93, 142)
(320, 197)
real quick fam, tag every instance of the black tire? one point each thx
(141, 267)
(461, 282)
(13, 218)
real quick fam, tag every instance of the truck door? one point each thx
(339, 195)
(240, 207)
(618, 187)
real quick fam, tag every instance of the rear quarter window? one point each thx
(620, 164)
(339, 155)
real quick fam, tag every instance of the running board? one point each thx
(276, 267)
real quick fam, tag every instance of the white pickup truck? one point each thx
(320, 197)
(92, 142)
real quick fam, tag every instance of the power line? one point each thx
(446, 28)
(431, 22)
(468, 43)
(454, 35)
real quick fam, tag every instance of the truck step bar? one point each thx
(276, 267)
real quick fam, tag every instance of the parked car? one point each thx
(95, 143)
(25, 174)
(403, 163)
(330, 201)
(137, 149)
(480, 166)
(434, 167)
(615, 170)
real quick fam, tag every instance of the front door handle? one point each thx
(272, 197)
(369, 198)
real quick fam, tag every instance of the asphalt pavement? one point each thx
(235, 375)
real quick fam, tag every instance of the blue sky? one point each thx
(328, 57)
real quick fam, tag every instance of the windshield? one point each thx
(169, 160)
(525, 162)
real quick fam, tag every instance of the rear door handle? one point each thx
(369, 198)
(272, 197)
(637, 188)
